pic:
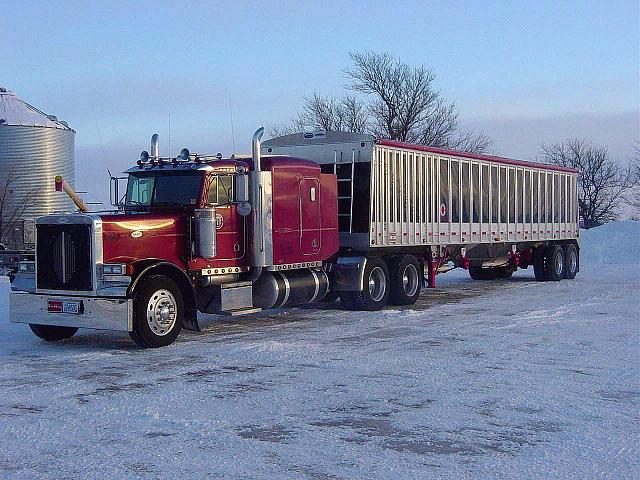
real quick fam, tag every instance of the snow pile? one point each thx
(615, 242)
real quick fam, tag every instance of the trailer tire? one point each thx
(539, 269)
(376, 288)
(475, 273)
(158, 310)
(51, 333)
(555, 263)
(479, 273)
(505, 272)
(405, 279)
(572, 261)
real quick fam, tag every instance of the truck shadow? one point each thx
(216, 328)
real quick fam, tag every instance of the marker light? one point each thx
(114, 269)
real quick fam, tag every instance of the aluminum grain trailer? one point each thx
(406, 210)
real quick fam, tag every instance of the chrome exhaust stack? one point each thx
(154, 150)
(261, 251)
(255, 149)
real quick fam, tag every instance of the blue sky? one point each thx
(524, 72)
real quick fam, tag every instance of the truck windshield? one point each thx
(174, 189)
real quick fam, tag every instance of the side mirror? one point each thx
(114, 191)
(241, 188)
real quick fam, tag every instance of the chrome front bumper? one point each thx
(97, 313)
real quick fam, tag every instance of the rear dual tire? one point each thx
(398, 283)
(375, 293)
(406, 275)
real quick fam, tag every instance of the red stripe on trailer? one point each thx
(476, 156)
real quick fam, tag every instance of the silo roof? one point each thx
(17, 112)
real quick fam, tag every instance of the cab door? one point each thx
(309, 214)
(230, 226)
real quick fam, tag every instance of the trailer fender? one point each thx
(348, 274)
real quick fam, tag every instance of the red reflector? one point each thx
(54, 306)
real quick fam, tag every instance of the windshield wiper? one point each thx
(168, 204)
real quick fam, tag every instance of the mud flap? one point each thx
(190, 321)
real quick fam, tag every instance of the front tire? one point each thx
(405, 274)
(52, 333)
(376, 288)
(158, 310)
(555, 263)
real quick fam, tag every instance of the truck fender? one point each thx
(347, 274)
(190, 320)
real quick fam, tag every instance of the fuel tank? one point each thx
(295, 287)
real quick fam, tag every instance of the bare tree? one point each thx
(633, 197)
(13, 203)
(399, 102)
(602, 182)
(323, 113)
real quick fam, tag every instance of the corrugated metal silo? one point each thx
(34, 147)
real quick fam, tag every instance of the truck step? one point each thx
(240, 311)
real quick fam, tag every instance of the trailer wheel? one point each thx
(539, 264)
(571, 261)
(158, 309)
(476, 273)
(555, 263)
(406, 280)
(376, 288)
(479, 273)
(505, 272)
(51, 333)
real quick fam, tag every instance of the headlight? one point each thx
(114, 269)
(27, 267)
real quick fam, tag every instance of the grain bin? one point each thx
(34, 148)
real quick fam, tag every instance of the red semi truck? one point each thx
(303, 218)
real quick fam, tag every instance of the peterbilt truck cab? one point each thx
(192, 234)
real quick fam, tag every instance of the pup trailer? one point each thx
(305, 217)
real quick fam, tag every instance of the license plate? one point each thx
(63, 306)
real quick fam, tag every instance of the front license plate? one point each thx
(63, 306)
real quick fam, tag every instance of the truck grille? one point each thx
(64, 257)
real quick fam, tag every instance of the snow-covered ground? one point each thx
(501, 379)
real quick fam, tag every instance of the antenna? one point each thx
(233, 137)
(169, 136)
(104, 155)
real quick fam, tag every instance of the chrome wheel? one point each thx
(377, 284)
(573, 261)
(559, 264)
(410, 279)
(162, 312)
